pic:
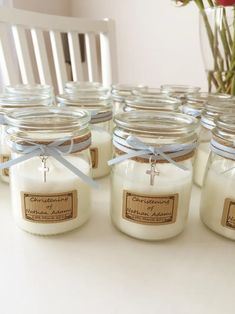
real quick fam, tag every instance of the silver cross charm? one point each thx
(152, 172)
(44, 168)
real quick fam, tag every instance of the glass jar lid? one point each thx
(167, 127)
(162, 103)
(29, 89)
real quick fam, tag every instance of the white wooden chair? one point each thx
(36, 48)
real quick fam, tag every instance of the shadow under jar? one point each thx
(152, 173)
(50, 189)
(218, 197)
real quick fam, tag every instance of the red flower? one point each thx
(226, 2)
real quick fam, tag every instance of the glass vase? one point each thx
(217, 38)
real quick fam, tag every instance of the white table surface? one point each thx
(97, 269)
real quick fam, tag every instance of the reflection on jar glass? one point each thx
(152, 173)
(218, 202)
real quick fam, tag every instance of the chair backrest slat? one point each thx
(41, 56)
(108, 54)
(75, 56)
(23, 54)
(9, 70)
(92, 60)
(52, 49)
(58, 56)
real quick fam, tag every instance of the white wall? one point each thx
(60, 7)
(157, 42)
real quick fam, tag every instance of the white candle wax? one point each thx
(218, 186)
(102, 145)
(27, 177)
(131, 176)
(200, 162)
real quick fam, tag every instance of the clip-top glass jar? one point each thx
(9, 103)
(218, 198)
(152, 173)
(217, 104)
(100, 108)
(49, 175)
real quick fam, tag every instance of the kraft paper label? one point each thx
(5, 158)
(94, 157)
(228, 216)
(49, 208)
(150, 210)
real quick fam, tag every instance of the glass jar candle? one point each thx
(152, 173)
(50, 169)
(158, 103)
(120, 92)
(179, 91)
(217, 207)
(9, 103)
(217, 105)
(100, 108)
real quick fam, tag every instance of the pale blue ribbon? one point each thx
(54, 150)
(222, 150)
(2, 119)
(136, 148)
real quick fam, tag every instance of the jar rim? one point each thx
(226, 122)
(57, 119)
(156, 122)
(30, 89)
(155, 103)
(85, 87)
(147, 92)
(74, 100)
(225, 128)
(19, 101)
(179, 88)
